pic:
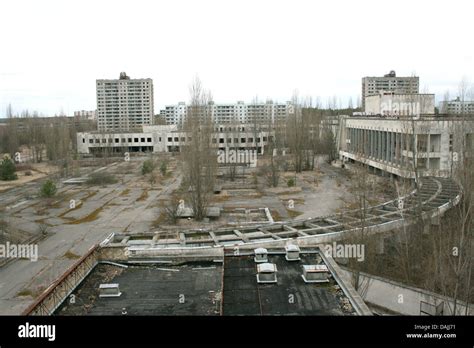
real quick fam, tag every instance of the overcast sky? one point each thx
(53, 51)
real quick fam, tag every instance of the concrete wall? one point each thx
(400, 104)
(401, 298)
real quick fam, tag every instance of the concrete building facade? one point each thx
(393, 104)
(168, 138)
(231, 113)
(89, 114)
(372, 85)
(124, 103)
(431, 144)
(457, 107)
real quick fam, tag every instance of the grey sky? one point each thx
(53, 51)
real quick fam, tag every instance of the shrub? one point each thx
(7, 169)
(163, 168)
(101, 178)
(48, 189)
(291, 182)
(148, 166)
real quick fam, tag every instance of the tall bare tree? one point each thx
(199, 153)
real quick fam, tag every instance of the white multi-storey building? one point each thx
(373, 85)
(124, 104)
(457, 107)
(231, 113)
(89, 114)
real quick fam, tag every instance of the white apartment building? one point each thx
(89, 114)
(239, 112)
(457, 107)
(372, 85)
(393, 104)
(124, 103)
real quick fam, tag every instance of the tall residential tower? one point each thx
(124, 104)
(373, 85)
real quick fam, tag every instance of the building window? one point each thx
(148, 140)
(170, 139)
(135, 140)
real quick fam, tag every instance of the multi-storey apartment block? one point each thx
(124, 104)
(373, 85)
(262, 113)
(457, 107)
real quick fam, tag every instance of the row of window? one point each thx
(221, 140)
(118, 140)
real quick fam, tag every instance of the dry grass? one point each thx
(29, 292)
(89, 195)
(43, 221)
(160, 220)
(25, 292)
(88, 218)
(293, 213)
(143, 196)
(77, 206)
(276, 215)
(220, 198)
(125, 192)
(70, 255)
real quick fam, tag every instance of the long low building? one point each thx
(398, 145)
(168, 138)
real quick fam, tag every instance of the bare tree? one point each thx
(199, 154)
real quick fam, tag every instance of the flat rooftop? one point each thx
(157, 289)
(209, 288)
(289, 296)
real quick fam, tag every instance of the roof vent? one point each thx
(266, 273)
(315, 274)
(261, 255)
(292, 252)
(109, 290)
